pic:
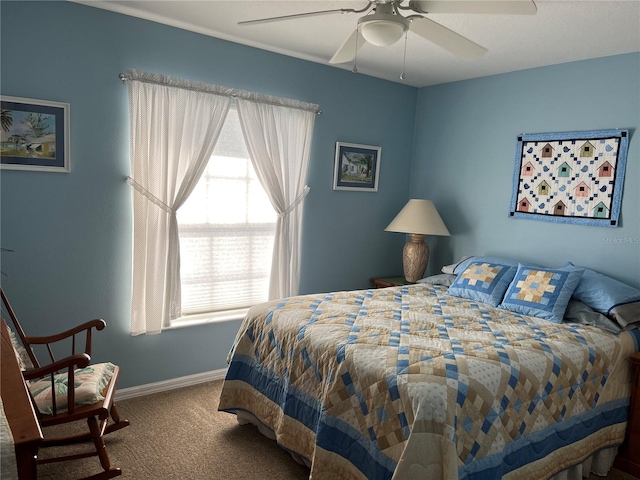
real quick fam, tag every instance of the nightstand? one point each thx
(389, 282)
(628, 460)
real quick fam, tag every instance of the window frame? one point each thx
(195, 319)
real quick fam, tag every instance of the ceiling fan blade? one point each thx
(445, 38)
(347, 51)
(297, 15)
(491, 7)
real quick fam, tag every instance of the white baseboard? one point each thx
(165, 385)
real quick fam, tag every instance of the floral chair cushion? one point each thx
(89, 383)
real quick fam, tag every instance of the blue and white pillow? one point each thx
(483, 281)
(541, 292)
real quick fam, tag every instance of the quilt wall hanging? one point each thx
(571, 177)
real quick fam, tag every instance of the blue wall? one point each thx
(464, 154)
(72, 232)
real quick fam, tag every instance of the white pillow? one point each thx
(450, 268)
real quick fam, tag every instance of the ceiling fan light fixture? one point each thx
(383, 30)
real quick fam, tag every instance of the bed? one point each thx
(415, 382)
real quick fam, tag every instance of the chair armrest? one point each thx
(97, 323)
(80, 360)
(86, 327)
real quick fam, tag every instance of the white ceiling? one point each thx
(561, 31)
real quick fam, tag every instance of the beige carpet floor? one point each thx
(180, 435)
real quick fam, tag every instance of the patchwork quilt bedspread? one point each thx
(408, 382)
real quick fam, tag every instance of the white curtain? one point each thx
(279, 139)
(174, 127)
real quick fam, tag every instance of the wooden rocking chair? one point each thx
(89, 390)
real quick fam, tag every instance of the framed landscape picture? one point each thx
(357, 167)
(34, 135)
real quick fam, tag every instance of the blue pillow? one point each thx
(602, 293)
(483, 281)
(542, 292)
(462, 265)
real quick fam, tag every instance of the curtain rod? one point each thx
(124, 78)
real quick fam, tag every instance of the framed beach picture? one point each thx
(357, 167)
(34, 135)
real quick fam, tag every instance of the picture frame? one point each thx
(34, 135)
(357, 167)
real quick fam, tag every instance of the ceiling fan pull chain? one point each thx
(355, 56)
(404, 58)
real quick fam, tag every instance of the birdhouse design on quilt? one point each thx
(547, 151)
(572, 178)
(586, 150)
(523, 205)
(564, 170)
(605, 170)
(601, 211)
(582, 190)
(543, 188)
(559, 208)
(527, 170)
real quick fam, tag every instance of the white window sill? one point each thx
(207, 318)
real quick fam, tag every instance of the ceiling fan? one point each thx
(383, 23)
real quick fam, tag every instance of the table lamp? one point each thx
(418, 218)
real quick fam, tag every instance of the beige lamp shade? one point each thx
(418, 218)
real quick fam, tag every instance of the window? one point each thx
(226, 228)
(227, 212)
